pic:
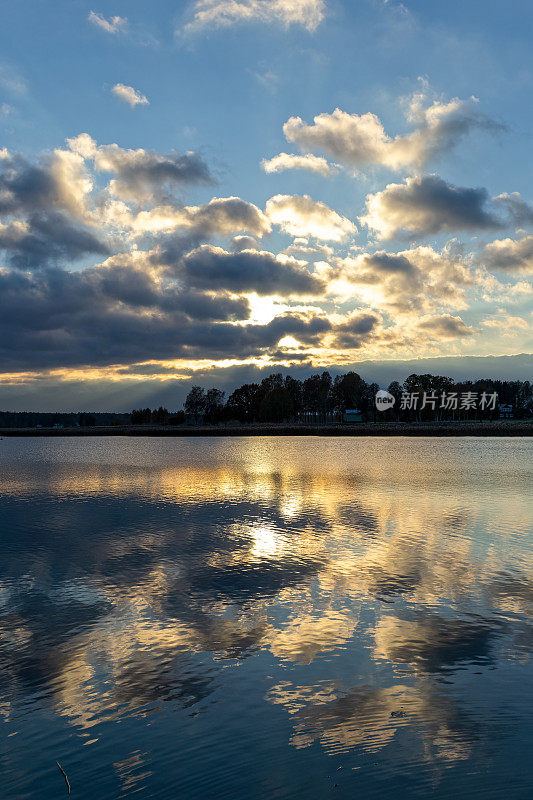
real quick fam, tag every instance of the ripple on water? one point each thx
(266, 618)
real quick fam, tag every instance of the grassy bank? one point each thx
(499, 428)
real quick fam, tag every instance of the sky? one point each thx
(210, 191)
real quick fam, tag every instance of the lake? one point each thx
(266, 618)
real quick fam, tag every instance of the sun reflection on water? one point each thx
(365, 596)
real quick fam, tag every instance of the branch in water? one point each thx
(64, 775)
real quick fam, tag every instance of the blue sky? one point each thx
(222, 80)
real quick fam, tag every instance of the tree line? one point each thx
(51, 419)
(322, 399)
(157, 416)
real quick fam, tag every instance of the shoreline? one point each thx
(449, 429)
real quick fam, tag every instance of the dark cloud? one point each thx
(25, 186)
(389, 263)
(428, 205)
(205, 306)
(116, 315)
(513, 255)
(357, 330)
(257, 271)
(226, 215)
(41, 208)
(171, 248)
(141, 173)
(444, 326)
(221, 216)
(46, 237)
(48, 212)
(520, 212)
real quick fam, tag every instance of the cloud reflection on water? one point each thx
(128, 590)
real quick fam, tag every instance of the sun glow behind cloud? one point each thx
(125, 261)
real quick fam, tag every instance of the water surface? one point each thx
(266, 618)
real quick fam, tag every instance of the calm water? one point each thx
(266, 618)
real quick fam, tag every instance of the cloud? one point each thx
(129, 95)
(43, 210)
(266, 77)
(520, 212)
(359, 140)
(58, 180)
(304, 247)
(309, 162)
(111, 25)
(409, 282)
(444, 326)
(356, 330)
(207, 14)
(129, 279)
(389, 263)
(506, 323)
(302, 216)
(427, 205)
(141, 174)
(119, 314)
(239, 243)
(53, 209)
(510, 254)
(105, 315)
(11, 80)
(249, 270)
(46, 237)
(221, 215)
(186, 282)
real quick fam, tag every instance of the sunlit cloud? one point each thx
(444, 326)
(510, 255)
(129, 95)
(360, 140)
(303, 216)
(108, 272)
(111, 25)
(508, 324)
(206, 14)
(407, 282)
(309, 162)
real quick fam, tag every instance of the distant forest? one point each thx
(323, 399)
(318, 399)
(53, 419)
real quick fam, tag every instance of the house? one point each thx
(352, 415)
(506, 411)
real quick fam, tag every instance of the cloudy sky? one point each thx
(207, 190)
